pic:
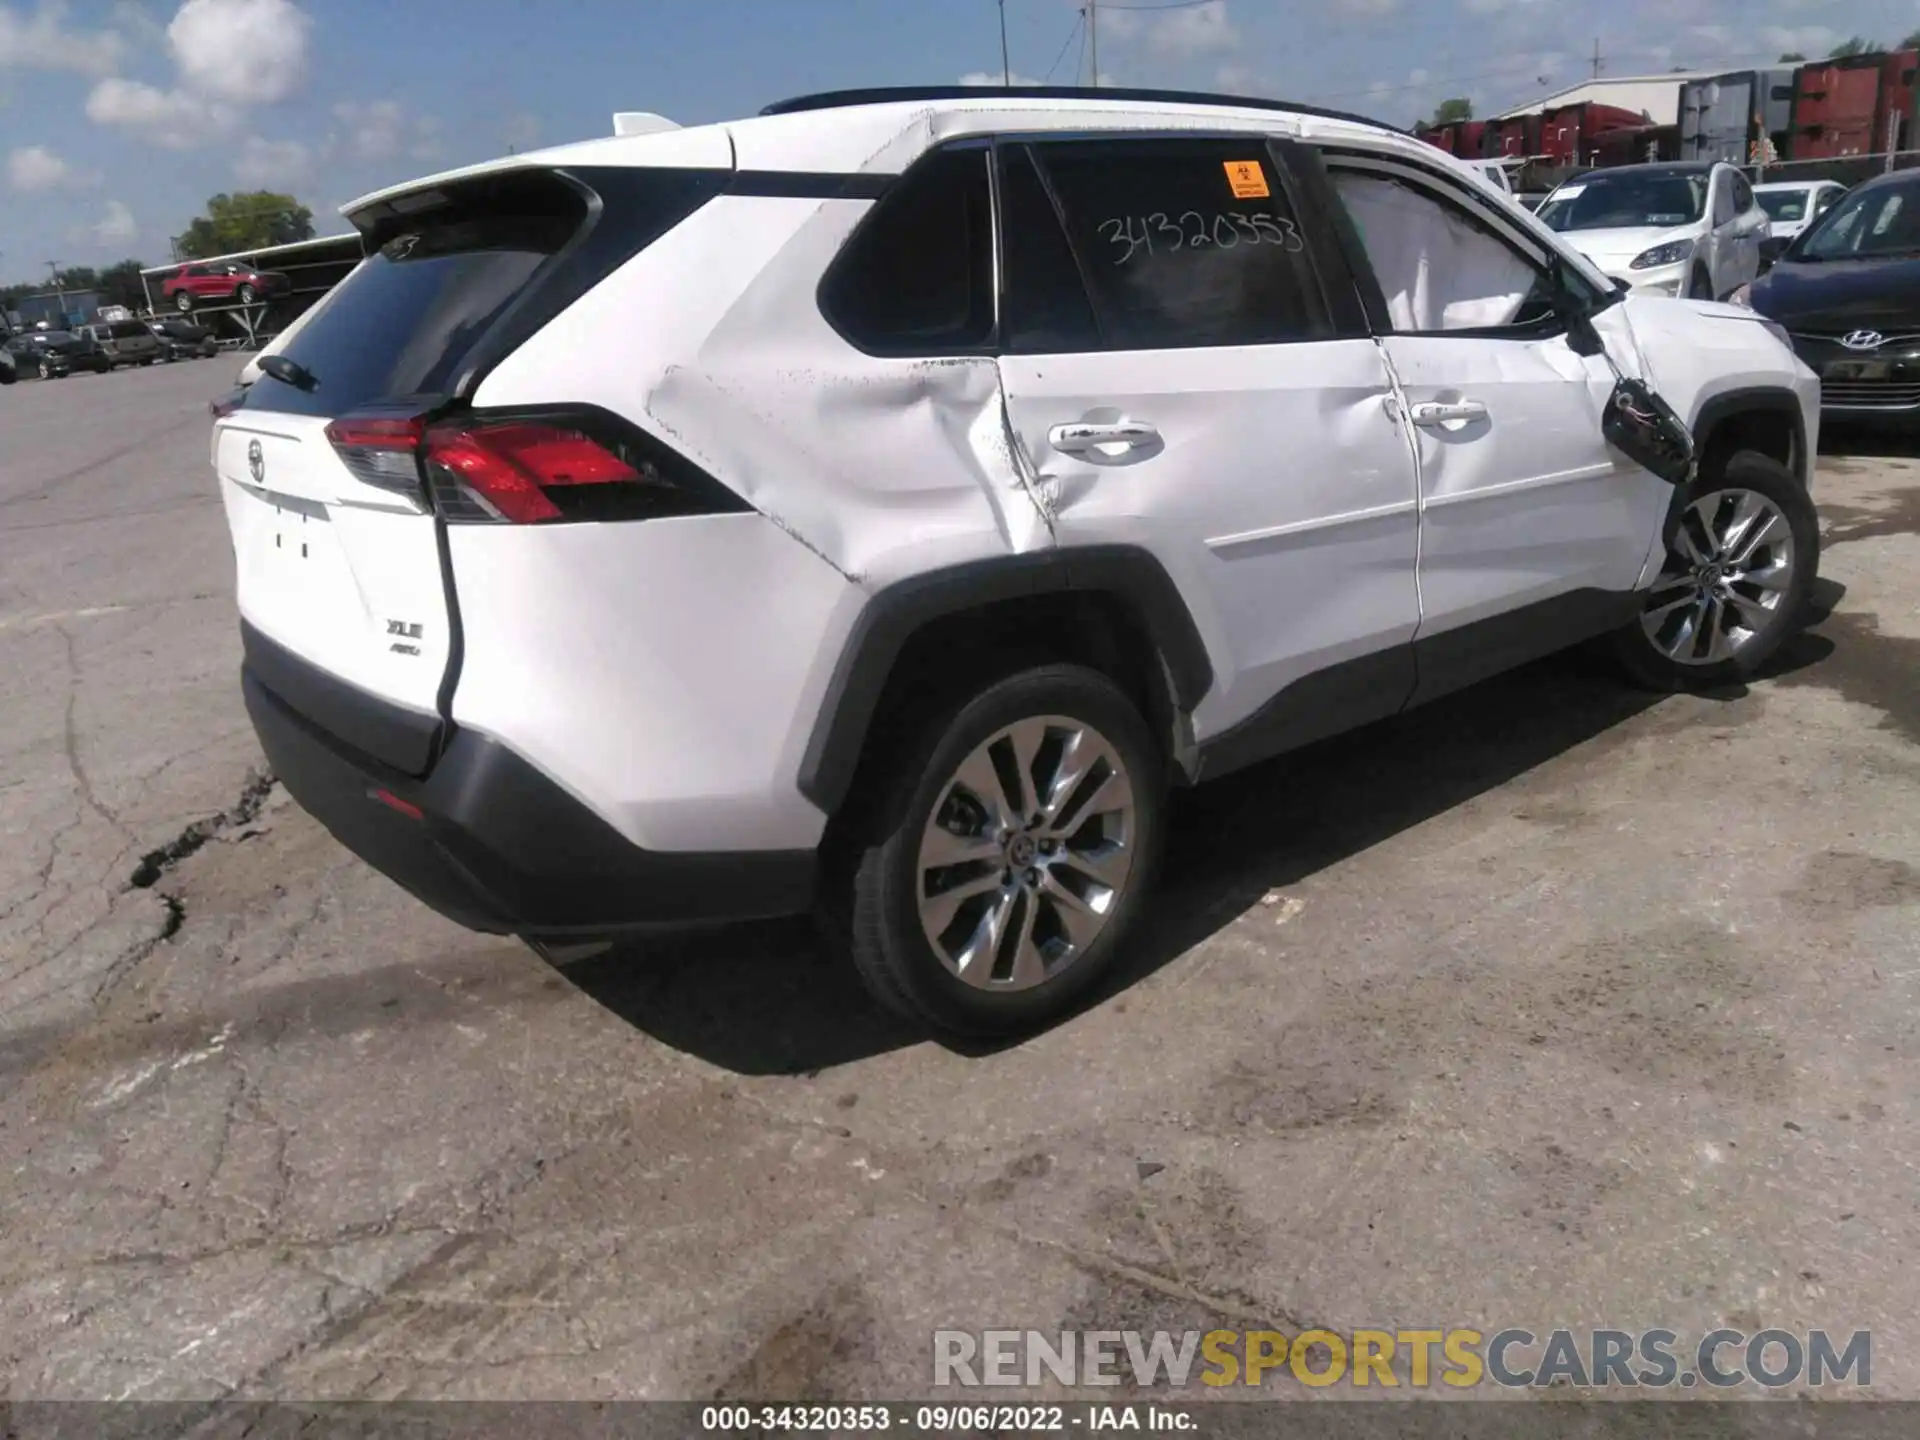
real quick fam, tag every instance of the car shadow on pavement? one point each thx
(772, 999)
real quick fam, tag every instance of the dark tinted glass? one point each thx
(401, 325)
(916, 278)
(1043, 300)
(1185, 242)
(128, 330)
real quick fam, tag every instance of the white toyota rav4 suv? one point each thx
(877, 505)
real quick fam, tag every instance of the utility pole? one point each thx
(59, 290)
(1006, 65)
(1093, 37)
(1596, 58)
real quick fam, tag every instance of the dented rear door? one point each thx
(1177, 382)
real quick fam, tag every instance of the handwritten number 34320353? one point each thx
(1158, 232)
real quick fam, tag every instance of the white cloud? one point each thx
(267, 163)
(245, 52)
(382, 129)
(175, 119)
(42, 41)
(1804, 39)
(1195, 30)
(116, 226)
(34, 167)
(997, 77)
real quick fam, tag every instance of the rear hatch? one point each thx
(339, 554)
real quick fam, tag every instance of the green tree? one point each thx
(1912, 42)
(1847, 49)
(1448, 111)
(250, 220)
(1792, 57)
(120, 285)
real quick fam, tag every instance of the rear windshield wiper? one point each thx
(288, 372)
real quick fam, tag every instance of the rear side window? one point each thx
(1185, 242)
(447, 272)
(916, 277)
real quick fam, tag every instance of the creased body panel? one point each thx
(883, 467)
(1280, 497)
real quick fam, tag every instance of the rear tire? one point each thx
(46, 370)
(964, 913)
(1735, 582)
(247, 294)
(183, 302)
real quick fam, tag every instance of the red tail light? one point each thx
(536, 467)
(380, 450)
(510, 467)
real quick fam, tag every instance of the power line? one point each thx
(1064, 45)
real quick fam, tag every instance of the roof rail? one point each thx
(889, 95)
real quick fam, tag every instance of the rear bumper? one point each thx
(488, 841)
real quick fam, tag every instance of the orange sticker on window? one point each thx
(1248, 180)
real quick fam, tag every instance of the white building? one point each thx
(1655, 96)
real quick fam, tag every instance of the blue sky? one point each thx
(119, 117)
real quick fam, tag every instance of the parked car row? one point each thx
(108, 345)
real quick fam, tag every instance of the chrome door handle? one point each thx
(1085, 435)
(1433, 413)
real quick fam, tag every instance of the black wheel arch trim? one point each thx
(1731, 405)
(1758, 399)
(894, 615)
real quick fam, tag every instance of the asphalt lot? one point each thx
(1552, 1004)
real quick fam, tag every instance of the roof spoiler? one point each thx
(641, 122)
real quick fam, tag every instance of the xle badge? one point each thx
(411, 630)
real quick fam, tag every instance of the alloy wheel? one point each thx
(1728, 573)
(1026, 854)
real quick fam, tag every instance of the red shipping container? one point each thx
(1897, 100)
(1514, 139)
(1568, 134)
(1470, 139)
(1440, 137)
(1837, 109)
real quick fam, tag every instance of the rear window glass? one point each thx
(400, 325)
(129, 330)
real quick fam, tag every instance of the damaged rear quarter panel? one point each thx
(883, 467)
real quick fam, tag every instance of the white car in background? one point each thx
(1792, 206)
(1690, 229)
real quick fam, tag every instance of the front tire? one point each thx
(1009, 855)
(183, 302)
(46, 370)
(1735, 584)
(247, 294)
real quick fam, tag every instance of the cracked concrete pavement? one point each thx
(1552, 1004)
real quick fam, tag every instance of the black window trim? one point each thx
(1449, 193)
(831, 273)
(1297, 165)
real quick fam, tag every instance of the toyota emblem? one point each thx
(1864, 340)
(256, 462)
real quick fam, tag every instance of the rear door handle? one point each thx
(1434, 414)
(1084, 435)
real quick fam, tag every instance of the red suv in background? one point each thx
(190, 285)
